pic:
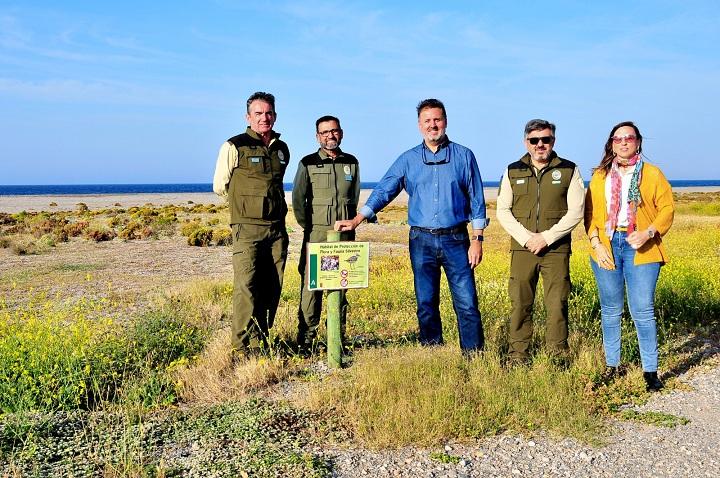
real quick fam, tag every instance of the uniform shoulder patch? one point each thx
(243, 139)
(311, 159)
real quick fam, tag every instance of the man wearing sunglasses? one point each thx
(541, 200)
(445, 194)
(326, 189)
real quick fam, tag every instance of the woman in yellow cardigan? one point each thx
(628, 208)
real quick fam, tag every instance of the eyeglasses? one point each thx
(544, 139)
(630, 138)
(334, 131)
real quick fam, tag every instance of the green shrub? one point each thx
(99, 234)
(222, 237)
(202, 236)
(116, 220)
(189, 227)
(55, 356)
(62, 356)
(24, 246)
(75, 229)
(135, 230)
(7, 219)
(161, 337)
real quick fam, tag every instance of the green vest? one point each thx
(332, 188)
(331, 191)
(255, 193)
(540, 201)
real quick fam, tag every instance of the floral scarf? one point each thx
(616, 191)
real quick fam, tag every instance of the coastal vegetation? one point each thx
(101, 381)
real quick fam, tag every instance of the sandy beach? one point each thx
(15, 204)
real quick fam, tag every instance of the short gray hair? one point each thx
(261, 96)
(538, 125)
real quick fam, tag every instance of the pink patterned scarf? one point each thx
(616, 191)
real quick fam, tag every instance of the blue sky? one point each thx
(145, 92)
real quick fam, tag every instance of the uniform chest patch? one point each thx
(255, 159)
(346, 168)
(556, 175)
(519, 181)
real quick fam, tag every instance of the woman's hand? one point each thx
(636, 239)
(604, 259)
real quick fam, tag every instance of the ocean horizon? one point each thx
(96, 189)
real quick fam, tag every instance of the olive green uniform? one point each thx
(260, 241)
(539, 203)
(325, 190)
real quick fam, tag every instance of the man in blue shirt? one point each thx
(445, 193)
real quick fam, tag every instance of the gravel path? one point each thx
(634, 449)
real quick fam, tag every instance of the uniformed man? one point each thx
(540, 201)
(249, 172)
(326, 189)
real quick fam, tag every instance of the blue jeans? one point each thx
(640, 281)
(428, 253)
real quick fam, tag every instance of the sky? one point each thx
(146, 92)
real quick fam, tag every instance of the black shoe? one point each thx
(515, 361)
(610, 374)
(652, 382)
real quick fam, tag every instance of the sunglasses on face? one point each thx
(544, 139)
(630, 138)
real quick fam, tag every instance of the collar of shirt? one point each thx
(323, 154)
(439, 186)
(553, 161)
(273, 135)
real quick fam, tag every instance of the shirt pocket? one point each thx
(320, 178)
(551, 218)
(255, 163)
(250, 206)
(321, 211)
(519, 185)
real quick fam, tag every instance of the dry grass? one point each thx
(399, 396)
(214, 378)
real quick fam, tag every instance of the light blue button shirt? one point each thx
(444, 188)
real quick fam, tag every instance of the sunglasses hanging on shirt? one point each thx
(436, 158)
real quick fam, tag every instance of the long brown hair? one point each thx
(608, 154)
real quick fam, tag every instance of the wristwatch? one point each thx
(478, 237)
(651, 233)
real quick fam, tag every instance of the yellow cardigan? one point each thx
(656, 208)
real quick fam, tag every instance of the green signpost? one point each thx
(333, 266)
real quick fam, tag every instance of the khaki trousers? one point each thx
(259, 256)
(525, 270)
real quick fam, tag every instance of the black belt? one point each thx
(442, 230)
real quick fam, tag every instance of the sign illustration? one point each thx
(337, 265)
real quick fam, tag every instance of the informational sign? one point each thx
(337, 265)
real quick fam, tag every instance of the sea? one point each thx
(76, 189)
